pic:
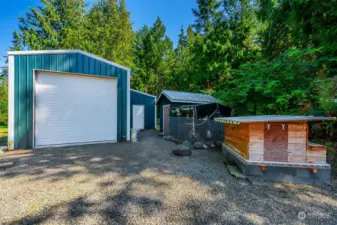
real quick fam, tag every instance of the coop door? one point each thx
(166, 109)
(276, 142)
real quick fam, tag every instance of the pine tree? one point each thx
(16, 42)
(154, 58)
(54, 25)
(226, 36)
(206, 15)
(181, 78)
(105, 30)
(109, 32)
(211, 46)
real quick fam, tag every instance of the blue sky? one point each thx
(174, 14)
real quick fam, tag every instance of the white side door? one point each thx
(138, 116)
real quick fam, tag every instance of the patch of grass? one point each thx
(3, 134)
(3, 129)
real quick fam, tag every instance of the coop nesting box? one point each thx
(275, 147)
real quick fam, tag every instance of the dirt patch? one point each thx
(143, 183)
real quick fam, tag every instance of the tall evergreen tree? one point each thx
(295, 74)
(154, 58)
(16, 42)
(182, 73)
(54, 25)
(105, 30)
(109, 32)
(207, 26)
(206, 15)
(228, 37)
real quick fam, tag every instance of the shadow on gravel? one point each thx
(151, 185)
(114, 210)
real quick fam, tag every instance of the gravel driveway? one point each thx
(143, 183)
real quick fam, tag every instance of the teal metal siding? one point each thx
(149, 103)
(122, 103)
(72, 63)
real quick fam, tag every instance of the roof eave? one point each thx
(181, 101)
(140, 92)
(160, 97)
(277, 121)
(38, 52)
(178, 101)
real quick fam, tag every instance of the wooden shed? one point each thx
(266, 141)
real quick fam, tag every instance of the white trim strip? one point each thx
(128, 123)
(11, 100)
(38, 52)
(140, 92)
(35, 72)
(93, 76)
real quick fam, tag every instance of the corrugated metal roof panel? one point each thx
(179, 96)
(270, 118)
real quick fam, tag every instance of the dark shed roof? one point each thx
(272, 118)
(187, 97)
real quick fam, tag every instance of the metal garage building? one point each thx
(143, 110)
(64, 97)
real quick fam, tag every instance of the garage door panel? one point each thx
(79, 95)
(59, 116)
(74, 109)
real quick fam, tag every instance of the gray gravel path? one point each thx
(143, 183)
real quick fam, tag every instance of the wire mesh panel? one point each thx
(196, 129)
(196, 122)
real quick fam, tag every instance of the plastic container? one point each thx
(134, 135)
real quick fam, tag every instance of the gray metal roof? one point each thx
(272, 118)
(188, 97)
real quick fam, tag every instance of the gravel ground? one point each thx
(143, 183)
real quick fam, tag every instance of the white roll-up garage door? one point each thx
(71, 109)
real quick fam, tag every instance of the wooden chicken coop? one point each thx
(276, 148)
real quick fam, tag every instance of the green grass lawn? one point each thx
(3, 135)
